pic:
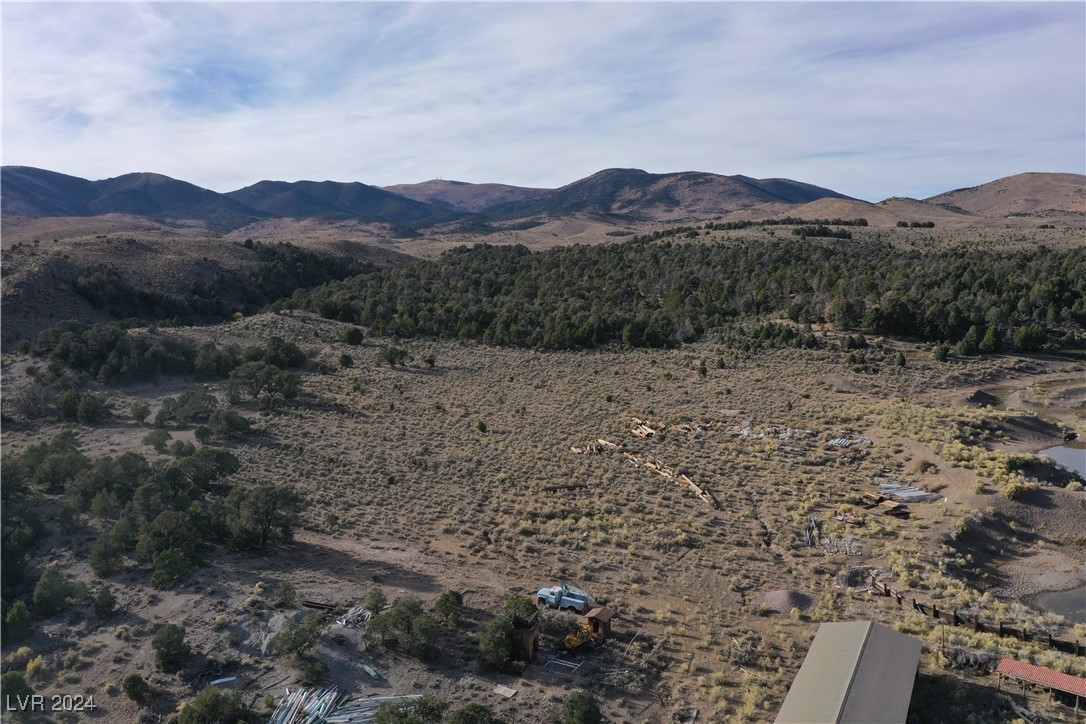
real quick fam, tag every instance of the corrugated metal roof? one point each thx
(855, 672)
(1045, 677)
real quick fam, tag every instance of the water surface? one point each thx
(1072, 458)
(1069, 604)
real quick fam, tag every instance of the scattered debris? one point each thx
(643, 429)
(894, 508)
(357, 616)
(224, 680)
(598, 446)
(847, 442)
(908, 493)
(371, 671)
(848, 518)
(559, 662)
(318, 605)
(770, 432)
(327, 705)
(505, 691)
(567, 486)
(849, 546)
(653, 464)
(812, 533)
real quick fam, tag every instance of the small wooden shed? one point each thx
(526, 638)
(600, 620)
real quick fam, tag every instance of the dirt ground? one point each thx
(422, 479)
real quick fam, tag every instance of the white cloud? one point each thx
(869, 99)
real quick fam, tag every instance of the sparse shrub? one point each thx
(16, 623)
(136, 688)
(312, 673)
(449, 607)
(1074, 486)
(396, 623)
(427, 709)
(472, 714)
(35, 668)
(263, 515)
(376, 600)
(212, 705)
(140, 411)
(284, 595)
(92, 408)
(104, 603)
(495, 645)
(51, 592)
(20, 657)
(1014, 489)
(392, 356)
(69, 404)
(158, 439)
(925, 466)
(580, 708)
(13, 686)
(298, 637)
(351, 335)
(181, 449)
(172, 567)
(345, 360)
(172, 652)
(105, 555)
(481, 426)
(424, 632)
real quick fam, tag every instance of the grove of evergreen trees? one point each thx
(646, 293)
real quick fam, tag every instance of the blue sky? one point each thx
(870, 99)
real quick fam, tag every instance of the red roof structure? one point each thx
(1044, 677)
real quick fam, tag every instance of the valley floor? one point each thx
(461, 476)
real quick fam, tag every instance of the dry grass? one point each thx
(404, 487)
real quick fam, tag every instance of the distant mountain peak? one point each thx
(629, 194)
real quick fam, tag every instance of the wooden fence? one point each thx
(953, 618)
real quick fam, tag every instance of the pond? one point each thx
(1072, 458)
(1069, 604)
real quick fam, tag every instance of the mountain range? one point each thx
(629, 195)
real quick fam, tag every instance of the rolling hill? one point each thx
(612, 196)
(36, 192)
(334, 200)
(639, 195)
(1025, 194)
(465, 196)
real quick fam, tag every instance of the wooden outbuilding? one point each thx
(526, 638)
(1053, 681)
(600, 620)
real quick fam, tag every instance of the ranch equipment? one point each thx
(596, 627)
(565, 597)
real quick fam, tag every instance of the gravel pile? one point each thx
(784, 601)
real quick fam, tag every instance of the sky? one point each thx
(871, 99)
